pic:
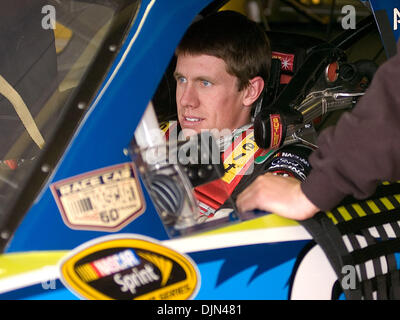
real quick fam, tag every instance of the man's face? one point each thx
(207, 95)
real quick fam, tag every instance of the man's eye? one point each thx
(206, 83)
(181, 79)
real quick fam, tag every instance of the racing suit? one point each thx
(243, 162)
(363, 148)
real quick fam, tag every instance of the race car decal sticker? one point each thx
(287, 60)
(291, 164)
(276, 130)
(262, 159)
(129, 267)
(104, 200)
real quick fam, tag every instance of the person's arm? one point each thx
(281, 195)
(278, 189)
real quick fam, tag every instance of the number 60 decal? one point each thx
(105, 200)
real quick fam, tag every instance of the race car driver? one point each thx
(223, 63)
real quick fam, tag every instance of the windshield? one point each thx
(47, 47)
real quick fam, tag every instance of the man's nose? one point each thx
(189, 97)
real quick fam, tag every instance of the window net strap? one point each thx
(363, 236)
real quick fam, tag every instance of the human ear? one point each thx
(253, 91)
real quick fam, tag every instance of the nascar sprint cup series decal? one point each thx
(105, 200)
(128, 267)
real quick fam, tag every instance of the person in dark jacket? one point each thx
(353, 157)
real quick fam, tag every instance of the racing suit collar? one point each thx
(224, 142)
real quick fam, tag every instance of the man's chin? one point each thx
(189, 132)
(217, 133)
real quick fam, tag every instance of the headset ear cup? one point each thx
(270, 130)
(261, 129)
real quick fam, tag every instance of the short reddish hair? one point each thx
(230, 36)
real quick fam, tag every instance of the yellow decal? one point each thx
(164, 126)
(129, 267)
(243, 154)
(276, 131)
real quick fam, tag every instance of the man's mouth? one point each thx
(191, 125)
(192, 119)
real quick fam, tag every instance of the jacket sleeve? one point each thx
(363, 148)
